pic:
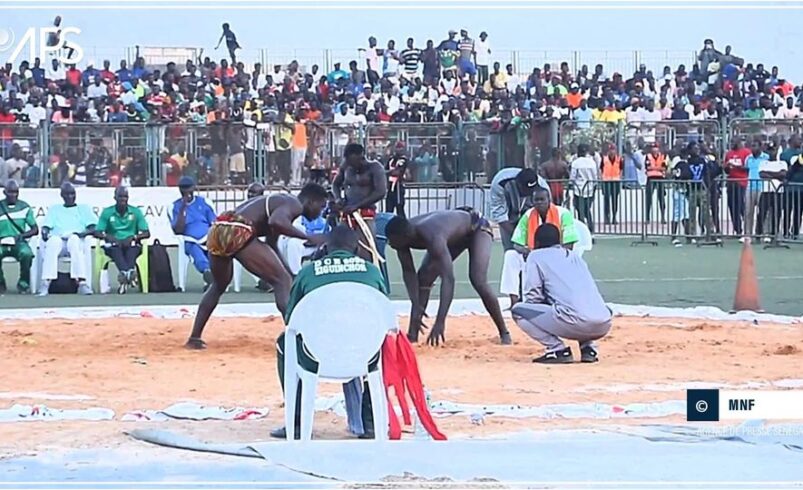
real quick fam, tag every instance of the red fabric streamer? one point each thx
(400, 372)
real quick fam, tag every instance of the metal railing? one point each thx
(687, 211)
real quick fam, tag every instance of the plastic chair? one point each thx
(343, 325)
(102, 262)
(185, 260)
(36, 268)
(584, 242)
(238, 276)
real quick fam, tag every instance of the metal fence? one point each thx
(687, 212)
(668, 135)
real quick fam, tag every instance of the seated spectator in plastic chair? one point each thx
(123, 228)
(341, 251)
(561, 300)
(64, 230)
(192, 217)
(17, 225)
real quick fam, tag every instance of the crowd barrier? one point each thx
(686, 211)
(236, 153)
(668, 135)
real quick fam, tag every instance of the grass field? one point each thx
(658, 276)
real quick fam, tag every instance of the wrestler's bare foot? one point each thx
(412, 337)
(195, 344)
(505, 339)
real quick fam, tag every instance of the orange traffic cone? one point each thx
(746, 297)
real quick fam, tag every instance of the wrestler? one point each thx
(444, 235)
(234, 235)
(358, 186)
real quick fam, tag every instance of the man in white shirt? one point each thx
(56, 72)
(770, 201)
(35, 112)
(14, 166)
(482, 57)
(790, 111)
(97, 90)
(513, 80)
(583, 175)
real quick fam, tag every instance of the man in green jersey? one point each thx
(123, 228)
(17, 225)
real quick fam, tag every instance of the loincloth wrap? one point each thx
(357, 222)
(478, 223)
(229, 234)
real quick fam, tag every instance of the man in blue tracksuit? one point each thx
(192, 217)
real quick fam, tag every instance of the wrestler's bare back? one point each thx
(452, 225)
(256, 210)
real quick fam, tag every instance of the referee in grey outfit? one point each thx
(561, 300)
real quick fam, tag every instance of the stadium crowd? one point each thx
(455, 81)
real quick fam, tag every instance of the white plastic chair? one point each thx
(185, 260)
(343, 326)
(36, 268)
(238, 276)
(584, 242)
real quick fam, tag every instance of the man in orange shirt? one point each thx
(299, 151)
(574, 97)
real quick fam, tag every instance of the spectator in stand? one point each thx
(448, 52)
(123, 228)
(482, 57)
(63, 232)
(410, 58)
(736, 170)
(14, 167)
(192, 217)
(793, 188)
(466, 62)
(231, 42)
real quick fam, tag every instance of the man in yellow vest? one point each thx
(543, 211)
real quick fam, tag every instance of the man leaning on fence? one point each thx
(123, 228)
(17, 225)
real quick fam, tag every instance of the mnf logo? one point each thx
(44, 43)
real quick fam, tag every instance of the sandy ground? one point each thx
(137, 364)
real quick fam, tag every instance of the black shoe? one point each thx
(281, 433)
(588, 354)
(367, 435)
(557, 357)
